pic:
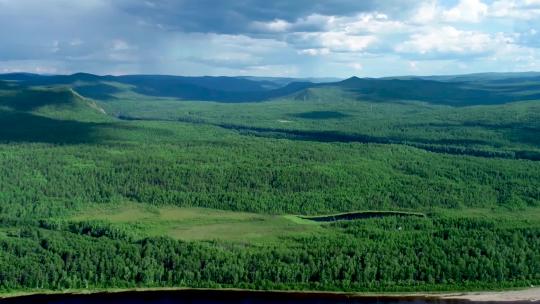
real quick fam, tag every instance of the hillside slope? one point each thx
(52, 115)
(58, 102)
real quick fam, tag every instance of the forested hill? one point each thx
(220, 89)
(461, 90)
(438, 92)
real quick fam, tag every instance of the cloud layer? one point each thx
(272, 38)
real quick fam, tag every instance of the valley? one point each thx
(159, 182)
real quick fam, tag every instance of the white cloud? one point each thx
(356, 66)
(425, 13)
(470, 11)
(475, 11)
(466, 11)
(449, 40)
(343, 42)
(434, 31)
(315, 21)
(519, 9)
(371, 23)
(321, 35)
(314, 52)
(276, 26)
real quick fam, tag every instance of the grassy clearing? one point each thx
(192, 224)
(204, 224)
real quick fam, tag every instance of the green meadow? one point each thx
(201, 224)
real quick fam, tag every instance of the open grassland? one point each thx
(192, 224)
(202, 224)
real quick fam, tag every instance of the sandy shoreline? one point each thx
(528, 295)
(525, 295)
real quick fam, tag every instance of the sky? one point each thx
(285, 38)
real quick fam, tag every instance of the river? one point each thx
(223, 296)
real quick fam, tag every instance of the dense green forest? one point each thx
(184, 173)
(384, 254)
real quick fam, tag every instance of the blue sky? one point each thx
(296, 38)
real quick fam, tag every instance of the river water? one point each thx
(215, 296)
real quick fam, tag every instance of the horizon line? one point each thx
(282, 77)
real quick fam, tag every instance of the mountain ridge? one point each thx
(457, 90)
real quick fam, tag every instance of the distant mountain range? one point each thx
(457, 90)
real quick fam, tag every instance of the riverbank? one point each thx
(531, 295)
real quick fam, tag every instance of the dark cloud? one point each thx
(236, 16)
